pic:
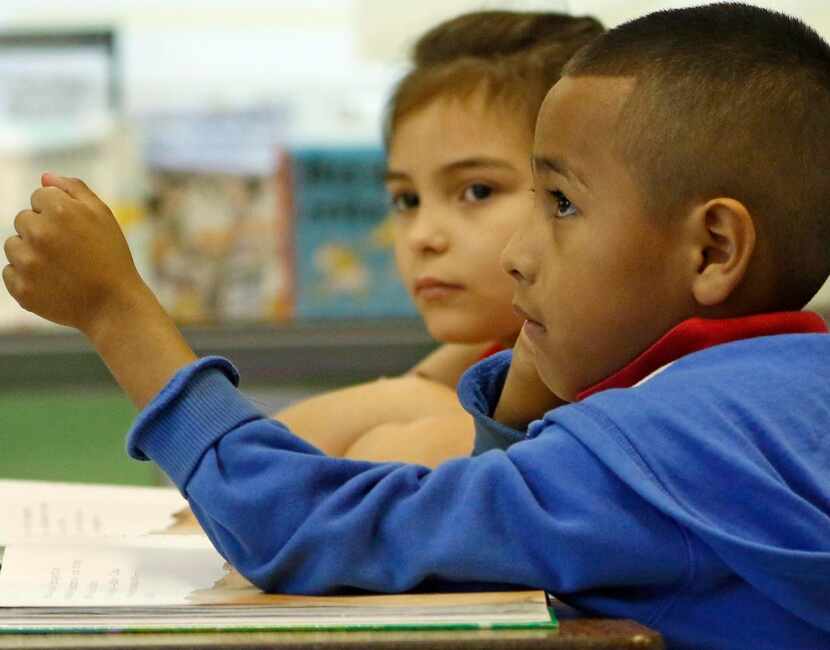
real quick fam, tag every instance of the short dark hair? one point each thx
(514, 56)
(730, 100)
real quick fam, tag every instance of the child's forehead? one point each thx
(580, 115)
(481, 105)
(589, 101)
(452, 126)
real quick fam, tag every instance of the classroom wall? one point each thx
(249, 49)
(815, 12)
(331, 62)
(337, 53)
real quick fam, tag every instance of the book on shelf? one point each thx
(56, 581)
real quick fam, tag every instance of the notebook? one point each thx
(65, 581)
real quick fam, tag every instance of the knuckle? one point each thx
(51, 194)
(23, 295)
(20, 219)
(44, 195)
(34, 234)
(17, 288)
(8, 248)
(25, 262)
(19, 255)
(9, 281)
(37, 236)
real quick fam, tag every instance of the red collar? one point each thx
(493, 349)
(698, 334)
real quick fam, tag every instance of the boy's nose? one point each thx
(516, 260)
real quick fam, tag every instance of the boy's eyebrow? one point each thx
(556, 165)
(456, 165)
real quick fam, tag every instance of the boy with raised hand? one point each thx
(681, 170)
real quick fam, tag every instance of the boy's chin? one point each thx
(554, 381)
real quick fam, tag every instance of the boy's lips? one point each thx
(532, 326)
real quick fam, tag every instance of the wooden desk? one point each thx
(573, 633)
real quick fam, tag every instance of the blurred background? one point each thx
(238, 142)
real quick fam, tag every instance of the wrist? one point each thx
(125, 310)
(139, 343)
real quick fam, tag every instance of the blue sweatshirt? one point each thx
(697, 503)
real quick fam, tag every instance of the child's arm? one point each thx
(378, 417)
(335, 421)
(524, 397)
(70, 264)
(429, 441)
(293, 520)
(447, 363)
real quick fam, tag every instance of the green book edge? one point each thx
(547, 625)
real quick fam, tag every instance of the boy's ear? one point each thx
(725, 240)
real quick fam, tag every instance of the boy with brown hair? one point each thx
(686, 486)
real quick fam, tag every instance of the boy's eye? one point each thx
(404, 201)
(564, 207)
(477, 192)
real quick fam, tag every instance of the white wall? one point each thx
(231, 52)
(815, 12)
(386, 30)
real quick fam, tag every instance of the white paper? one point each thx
(37, 509)
(143, 571)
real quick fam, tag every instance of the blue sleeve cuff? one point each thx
(198, 406)
(479, 391)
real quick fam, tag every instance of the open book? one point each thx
(37, 509)
(162, 582)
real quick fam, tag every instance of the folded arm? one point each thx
(429, 441)
(414, 417)
(335, 421)
(448, 362)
